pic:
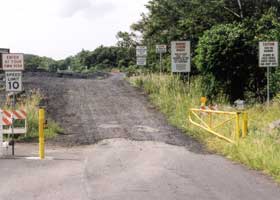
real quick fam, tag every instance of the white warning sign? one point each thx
(181, 56)
(13, 61)
(268, 54)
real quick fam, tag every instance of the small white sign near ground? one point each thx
(13, 81)
(161, 49)
(181, 56)
(12, 62)
(141, 51)
(268, 54)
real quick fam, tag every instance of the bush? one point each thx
(227, 57)
(228, 61)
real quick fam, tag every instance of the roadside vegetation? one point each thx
(260, 150)
(30, 105)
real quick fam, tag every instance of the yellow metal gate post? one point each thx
(244, 124)
(237, 127)
(41, 133)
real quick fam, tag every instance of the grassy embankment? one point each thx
(30, 104)
(260, 150)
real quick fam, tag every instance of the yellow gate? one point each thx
(228, 126)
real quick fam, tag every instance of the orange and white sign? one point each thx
(8, 116)
(13, 62)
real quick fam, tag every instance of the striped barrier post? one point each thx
(1, 135)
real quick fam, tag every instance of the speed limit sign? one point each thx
(13, 81)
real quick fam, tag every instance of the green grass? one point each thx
(260, 150)
(30, 104)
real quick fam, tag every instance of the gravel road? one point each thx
(116, 146)
(91, 110)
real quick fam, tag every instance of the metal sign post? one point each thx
(161, 49)
(268, 88)
(189, 80)
(268, 57)
(160, 63)
(13, 84)
(13, 64)
(13, 132)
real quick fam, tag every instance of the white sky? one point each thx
(60, 28)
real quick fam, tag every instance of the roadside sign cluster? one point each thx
(180, 55)
(13, 65)
(141, 55)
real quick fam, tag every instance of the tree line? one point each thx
(224, 35)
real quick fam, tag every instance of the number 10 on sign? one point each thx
(13, 81)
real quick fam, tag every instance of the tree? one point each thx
(126, 40)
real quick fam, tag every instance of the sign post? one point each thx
(268, 57)
(160, 49)
(141, 55)
(13, 64)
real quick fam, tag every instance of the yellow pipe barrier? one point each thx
(215, 111)
(41, 133)
(211, 128)
(211, 131)
(205, 124)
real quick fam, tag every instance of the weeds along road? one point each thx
(137, 155)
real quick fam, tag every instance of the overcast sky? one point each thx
(60, 28)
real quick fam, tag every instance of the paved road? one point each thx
(138, 156)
